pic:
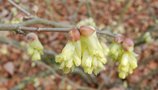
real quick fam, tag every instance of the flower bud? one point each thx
(31, 37)
(128, 44)
(119, 38)
(74, 35)
(86, 30)
(115, 51)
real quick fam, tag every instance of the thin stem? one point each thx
(23, 26)
(4, 27)
(20, 8)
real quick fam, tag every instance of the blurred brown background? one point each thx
(136, 19)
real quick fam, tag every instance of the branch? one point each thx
(32, 29)
(20, 8)
(19, 26)
(4, 27)
(65, 27)
(36, 21)
(45, 22)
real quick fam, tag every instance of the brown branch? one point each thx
(4, 27)
(65, 27)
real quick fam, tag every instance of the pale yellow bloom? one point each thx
(127, 64)
(34, 47)
(70, 56)
(93, 56)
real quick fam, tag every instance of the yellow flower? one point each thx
(70, 56)
(115, 51)
(127, 64)
(93, 56)
(105, 49)
(34, 48)
(36, 55)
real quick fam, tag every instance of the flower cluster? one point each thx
(84, 49)
(34, 48)
(93, 56)
(122, 52)
(127, 63)
(71, 53)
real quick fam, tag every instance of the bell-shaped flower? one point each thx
(70, 56)
(122, 51)
(115, 51)
(93, 56)
(127, 64)
(34, 48)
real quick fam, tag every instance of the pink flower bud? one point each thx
(119, 38)
(128, 44)
(31, 37)
(86, 30)
(74, 34)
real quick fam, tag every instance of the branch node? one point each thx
(19, 30)
(38, 29)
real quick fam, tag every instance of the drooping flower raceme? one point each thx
(127, 64)
(34, 48)
(70, 56)
(128, 61)
(93, 56)
(122, 52)
(84, 50)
